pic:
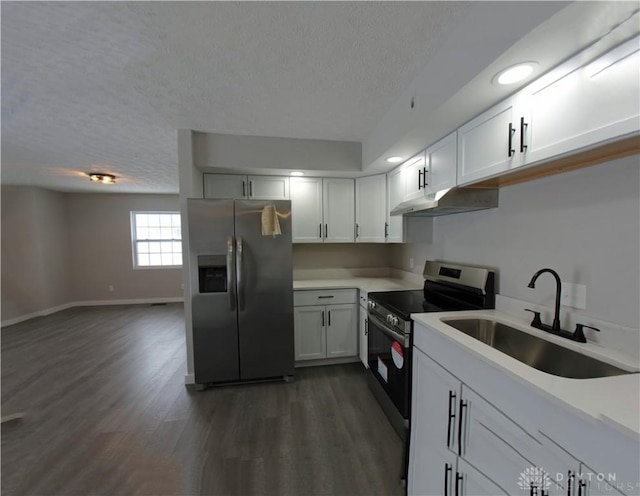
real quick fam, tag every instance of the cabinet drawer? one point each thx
(324, 297)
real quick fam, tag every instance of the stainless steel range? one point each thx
(447, 287)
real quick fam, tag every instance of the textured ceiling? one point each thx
(105, 85)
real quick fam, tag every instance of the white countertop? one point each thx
(614, 400)
(368, 284)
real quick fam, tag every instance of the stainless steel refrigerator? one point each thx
(241, 290)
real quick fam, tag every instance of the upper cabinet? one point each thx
(574, 107)
(489, 144)
(440, 164)
(322, 210)
(395, 195)
(579, 105)
(371, 209)
(232, 186)
(414, 171)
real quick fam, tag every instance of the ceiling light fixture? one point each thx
(394, 160)
(515, 73)
(296, 173)
(100, 177)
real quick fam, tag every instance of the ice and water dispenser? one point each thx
(212, 273)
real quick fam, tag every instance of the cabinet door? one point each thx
(413, 170)
(309, 330)
(434, 408)
(371, 209)
(468, 481)
(362, 336)
(488, 144)
(339, 210)
(587, 105)
(268, 187)
(225, 186)
(306, 210)
(342, 331)
(395, 196)
(495, 445)
(442, 164)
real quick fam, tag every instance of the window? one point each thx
(157, 239)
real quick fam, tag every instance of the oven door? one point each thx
(389, 358)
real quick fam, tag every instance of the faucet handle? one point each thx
(536, 317)
(579, 334)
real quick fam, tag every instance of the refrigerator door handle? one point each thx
(239, 273)
(230, 274)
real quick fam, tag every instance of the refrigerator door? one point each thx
(213, 290)
(265, 291)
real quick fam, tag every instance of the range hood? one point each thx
(449, 201)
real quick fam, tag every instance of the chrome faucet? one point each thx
(554, 328)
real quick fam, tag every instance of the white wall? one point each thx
(35, 255)
(583, 224)
(60, 249)
(101, 249)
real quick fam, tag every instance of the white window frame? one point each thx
(135, 240)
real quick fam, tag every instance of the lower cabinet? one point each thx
(325, 330)
(462, 444)
(363, 336)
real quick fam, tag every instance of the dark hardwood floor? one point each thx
(107, 412)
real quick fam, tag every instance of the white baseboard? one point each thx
(39, 313)
(94, 303)
(189, 379)
(138, 301)
(326, 361)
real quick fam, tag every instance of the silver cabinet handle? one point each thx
(324, 297)
(239, 274)
(320, 226)
(323, 318)
(326, 231)
(329, 319)
(250, 189)
(244, 188)
(230, 274)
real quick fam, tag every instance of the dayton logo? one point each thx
(534, 477)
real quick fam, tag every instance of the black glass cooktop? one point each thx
(404, 303)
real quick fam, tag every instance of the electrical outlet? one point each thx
(111, 288)
(574, 295)
(411, 263)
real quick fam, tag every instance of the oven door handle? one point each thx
(401, 338)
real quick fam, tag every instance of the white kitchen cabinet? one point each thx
(489, 144)
(441, 164)
(507, 432)
(371, 209)
(325, 324)
(268, 187)
(413, 171)
(363, 331)
(433, 430)
(232, 186)
(451, 417)
(341, 325)
(322, 210)
(577, 105)
(306, 210)
(224, 186)
(310, 335)
(395, 195)
(338, 210)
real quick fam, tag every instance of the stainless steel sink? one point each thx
(534, 351)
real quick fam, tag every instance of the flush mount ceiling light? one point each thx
(394, 160)
(515, 73)
(99, 177)
(296, 173)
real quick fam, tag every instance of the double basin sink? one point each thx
(534, 351)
